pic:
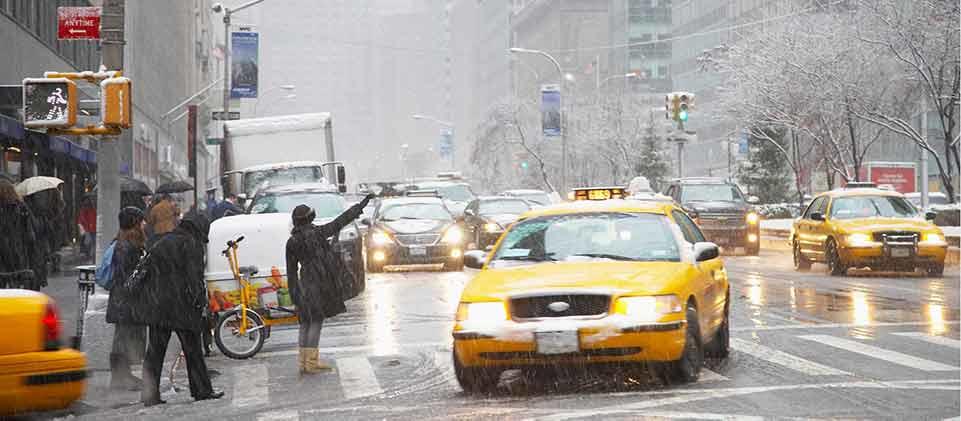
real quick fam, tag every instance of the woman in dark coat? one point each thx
(21, 251)
(129, 339)
(174, 297)
(313, 273)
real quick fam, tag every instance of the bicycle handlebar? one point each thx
(231, 244)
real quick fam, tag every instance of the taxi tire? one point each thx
(688, 368)
(720, 345)
(476, 380)
(801, 263)
(833, 259)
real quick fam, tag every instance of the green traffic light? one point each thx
(524, 165)
(683, 116)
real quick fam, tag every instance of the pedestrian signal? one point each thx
(115, 102)
(49, 103)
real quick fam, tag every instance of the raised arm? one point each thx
(333, 227)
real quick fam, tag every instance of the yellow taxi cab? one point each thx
(36, 373)
(593, 282)
(864, 226)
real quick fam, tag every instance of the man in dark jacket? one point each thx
(21, 251)
(314, 270)
(174, 299)
(228, 207)
(128, 338)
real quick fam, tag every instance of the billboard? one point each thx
(244, 64)
(551, 110)
(899, 175)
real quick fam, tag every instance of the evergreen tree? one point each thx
(764, 173)
(651, 163)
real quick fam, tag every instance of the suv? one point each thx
(725, 215)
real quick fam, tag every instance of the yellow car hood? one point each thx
(882, 224)
(614, 278)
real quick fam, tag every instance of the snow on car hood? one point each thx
(414, 226)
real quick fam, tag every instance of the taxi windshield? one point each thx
(872, 207)
(397, 212)
(607, 236)
(325, 205)
(494, 207)
(710, 193)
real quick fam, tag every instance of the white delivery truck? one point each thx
(281, 150)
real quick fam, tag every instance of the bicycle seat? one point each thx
(248, 270)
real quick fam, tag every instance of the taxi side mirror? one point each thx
(474, 259)
(817, 216)
(930, 215)
(705, 251)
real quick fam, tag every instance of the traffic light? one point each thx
(115, 102)
(49, 103)
(686, 103)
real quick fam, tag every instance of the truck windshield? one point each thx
(872, 207)
(710, 193)
(273, 177)
(325, 205)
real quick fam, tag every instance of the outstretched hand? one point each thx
(367, 199)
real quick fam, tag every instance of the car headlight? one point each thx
(482, 312)
(859, 239)
(454, 235)
(492, 227)
(381, 238)
(752, 218)
(933, 237)
(647, 308)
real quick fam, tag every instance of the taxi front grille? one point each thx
(417, 239)
(896, 236)
(576, 305)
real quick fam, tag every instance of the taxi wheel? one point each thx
(720, 345)
(476, 380)
(936, 270)
(688, 368)
(801, 263)
(833, 257)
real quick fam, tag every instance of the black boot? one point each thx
(120, 376)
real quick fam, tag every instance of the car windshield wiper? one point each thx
(604, 256)
(541, 258)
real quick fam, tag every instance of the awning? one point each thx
(10, 127)
(66, 147)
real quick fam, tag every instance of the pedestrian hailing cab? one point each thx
(36, 372)
(864, 226)
(594, 283)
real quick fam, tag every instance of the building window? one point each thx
(662, 72)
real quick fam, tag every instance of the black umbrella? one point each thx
(175, 187)
(130, 185)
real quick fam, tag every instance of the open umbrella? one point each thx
(37, 184)
(130, 185)
(175, 187)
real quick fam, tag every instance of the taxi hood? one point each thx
(882, 224)
(604, 277)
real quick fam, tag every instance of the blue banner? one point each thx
(446, 144)
(551, 110)
(244, 64)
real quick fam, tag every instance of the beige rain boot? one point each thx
(301, 359)
(312, 364)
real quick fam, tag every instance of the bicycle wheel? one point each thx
(232, 343)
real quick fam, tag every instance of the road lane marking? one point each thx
(708, 376)
(837, 325)
(443, 362)
(357, 377)
(934, 339)
(879, 353)
(784, 359)
(700, 416)
(282, 415)
(250, 386)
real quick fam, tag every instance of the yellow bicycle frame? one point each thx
(245, 298)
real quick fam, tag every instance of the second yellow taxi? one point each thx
(625, 282)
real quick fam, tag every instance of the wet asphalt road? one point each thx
(805, 345)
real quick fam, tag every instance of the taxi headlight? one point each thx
(492, 227)
(381, 238)
(859, 240)
(482, 312)
(933, 237)
(648, 308)
(752, 218)
(454, 235)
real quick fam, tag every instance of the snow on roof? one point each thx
(284, 123)
(277, 165)
(524, 191)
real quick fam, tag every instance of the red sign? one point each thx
(901, 177)
(78, 23)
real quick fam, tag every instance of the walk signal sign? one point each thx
(49, 102)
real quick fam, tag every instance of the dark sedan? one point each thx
(413, 230)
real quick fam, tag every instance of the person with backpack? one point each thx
(120, 260)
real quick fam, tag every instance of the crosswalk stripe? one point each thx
(250, 386)
(784, 359)
(357, 377)
(879, 353)
(282, 415)
(939, 340)
(708, 376)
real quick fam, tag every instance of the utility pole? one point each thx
(924, 156)
(108, 154)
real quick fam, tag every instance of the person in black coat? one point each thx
(174, 299)
(128, 338)
(314, 271)
(21, 251)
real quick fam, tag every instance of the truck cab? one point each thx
(725, 215)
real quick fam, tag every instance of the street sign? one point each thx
(78, 23)
(219, 115)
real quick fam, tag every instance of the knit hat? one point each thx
(303, 214)
(129, 217)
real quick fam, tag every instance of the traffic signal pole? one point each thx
(108, 153)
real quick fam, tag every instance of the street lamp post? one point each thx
(560, 77)
(446, 124)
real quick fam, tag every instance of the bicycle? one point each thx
(241, 332)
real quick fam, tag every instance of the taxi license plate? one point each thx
(418, 251)
(558, 342)
(900, 252)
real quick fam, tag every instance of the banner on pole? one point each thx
(244, 64)
(551, 110)
(192, 141)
